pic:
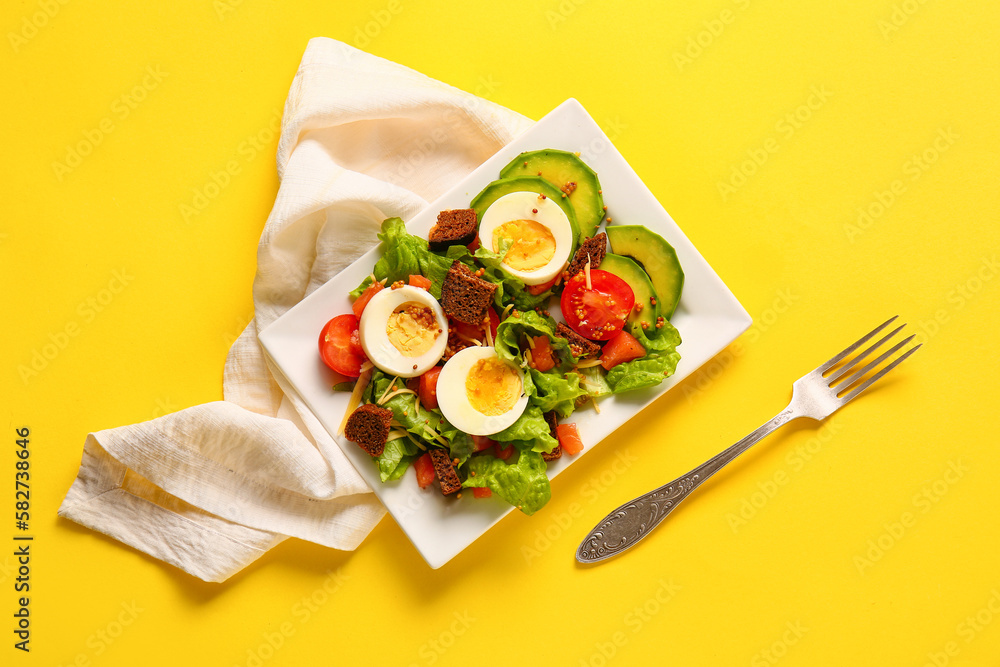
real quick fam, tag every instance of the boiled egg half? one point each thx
(403, 331)
(480, 393)
(539, 234)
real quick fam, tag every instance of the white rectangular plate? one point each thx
(709, 317)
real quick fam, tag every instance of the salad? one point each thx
(472, 349)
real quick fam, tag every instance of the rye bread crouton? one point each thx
(552, 418)
(464, 296)
(445, 471)
(368, 426)
(593, 248)
(454, 227)
(578, 345)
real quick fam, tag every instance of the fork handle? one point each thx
(631, 522)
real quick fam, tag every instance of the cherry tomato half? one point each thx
(597, 313)
(340, 345)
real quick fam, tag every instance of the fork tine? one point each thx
(867, 383)
(872, 364)
(825, 367)
(846, 368)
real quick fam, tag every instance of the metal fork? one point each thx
(815, 395)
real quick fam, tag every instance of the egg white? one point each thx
(453, 399)
(546, 212)
(375, 341)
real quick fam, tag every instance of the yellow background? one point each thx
(691, 91)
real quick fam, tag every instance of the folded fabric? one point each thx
(211, 488)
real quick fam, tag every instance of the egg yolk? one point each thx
(532, 244)
(412, 329)
(492, 386)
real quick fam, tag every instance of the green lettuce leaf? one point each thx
(404, 409)
(396, 458)
(553, 391)
(512, 331)
(403, 255)
(594, 381)
(529, 433)
(523, 483)
(659, 363)
(462, 446)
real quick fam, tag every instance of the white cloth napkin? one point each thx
(211, 488)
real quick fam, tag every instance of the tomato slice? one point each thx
(623, 347)
(481, 442)
(542, 355)
(475, 332)
(428, 388)
(569, 438)
(418, 280)
(340, 345)
(424, 468)
(538, 289)
(359, 304)
(482, 492)
(503, 453)
(598, 312)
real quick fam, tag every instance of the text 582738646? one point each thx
(22, 514)
(22, 495)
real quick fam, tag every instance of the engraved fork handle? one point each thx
(637, 518)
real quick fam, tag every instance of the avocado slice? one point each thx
(562, 168)
(656, 257)
(642, 288)
(505, 186)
